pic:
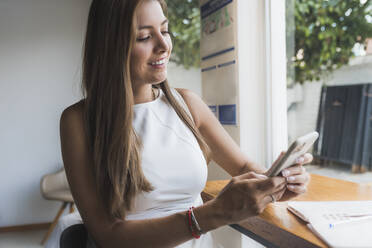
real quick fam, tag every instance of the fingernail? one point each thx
(290, 179)
(261, 176)
(290, 186)
(300, 160)
(285, 173)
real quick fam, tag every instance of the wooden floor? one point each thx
(27, 239)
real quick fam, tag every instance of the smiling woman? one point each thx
(152, 49)
(136, 151)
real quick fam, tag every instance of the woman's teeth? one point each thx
(160, 62)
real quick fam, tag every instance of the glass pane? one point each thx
(329, 78)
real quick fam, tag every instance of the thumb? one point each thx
(271, 185)
(251, 175)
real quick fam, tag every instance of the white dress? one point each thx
(173, 163)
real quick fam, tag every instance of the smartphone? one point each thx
(298, 148)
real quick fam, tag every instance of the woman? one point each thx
(136, 151)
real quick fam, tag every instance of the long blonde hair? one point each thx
(108, 108)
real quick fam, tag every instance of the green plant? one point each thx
(325, 34)
(184, 19)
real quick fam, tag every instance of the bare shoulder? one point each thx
(72, 115)
(195, 104)
(186, 92)
(74, 144)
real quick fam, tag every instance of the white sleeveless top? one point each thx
(172, 162)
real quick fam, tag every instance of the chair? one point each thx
(55, 187)
(74, 236)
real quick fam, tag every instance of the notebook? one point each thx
(338, 223)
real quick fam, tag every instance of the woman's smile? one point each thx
(159, 64)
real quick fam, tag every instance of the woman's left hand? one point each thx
(297, 177)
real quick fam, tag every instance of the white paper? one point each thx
(321, 215)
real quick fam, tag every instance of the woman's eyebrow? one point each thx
(151, 27)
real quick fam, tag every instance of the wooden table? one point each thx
(277, 227)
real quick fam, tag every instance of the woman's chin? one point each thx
(159, 80)
(157, 83)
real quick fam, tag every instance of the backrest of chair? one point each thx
(74, 236)
(54, 181)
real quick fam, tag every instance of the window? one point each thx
(328, 81)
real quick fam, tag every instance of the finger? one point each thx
(271, 185)
(251, 175)
(279, 195)
(304, 159)
(308, 158)
(298, 189)
(299, 179)
(271, 198)
(268, 199)
(293, 170)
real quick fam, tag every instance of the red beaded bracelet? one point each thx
(193, 223)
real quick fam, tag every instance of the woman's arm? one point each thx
(226, 152)
(245, 196)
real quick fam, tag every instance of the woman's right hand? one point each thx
(247, 195)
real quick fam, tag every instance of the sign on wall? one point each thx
(218, 55)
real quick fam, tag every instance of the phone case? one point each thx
(298, 148)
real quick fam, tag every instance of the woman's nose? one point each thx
(162, 44)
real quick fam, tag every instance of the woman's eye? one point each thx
(143, 38)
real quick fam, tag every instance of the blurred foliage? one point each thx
(184, 24)
(325, 34)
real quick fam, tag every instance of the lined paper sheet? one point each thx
(320, 216)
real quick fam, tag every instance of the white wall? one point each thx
(302, 119)
(179, 77)
(359, 70)
(303, 116)
(40, 54)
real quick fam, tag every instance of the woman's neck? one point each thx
(143, 94)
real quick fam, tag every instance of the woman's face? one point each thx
(153, 45)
